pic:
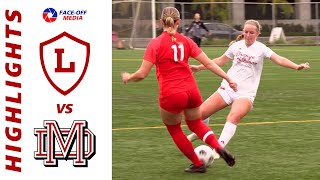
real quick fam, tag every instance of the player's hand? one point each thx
(125, 77)
(233, 85)
(303, 66)
(194, 68)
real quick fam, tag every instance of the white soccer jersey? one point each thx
(247, 66)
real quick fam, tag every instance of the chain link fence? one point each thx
(133, 27)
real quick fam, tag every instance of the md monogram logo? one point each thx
(78, 137)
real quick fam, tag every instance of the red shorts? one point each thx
(176, 103)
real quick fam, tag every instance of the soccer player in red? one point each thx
(179, 93)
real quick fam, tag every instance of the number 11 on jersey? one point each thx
(175, 52)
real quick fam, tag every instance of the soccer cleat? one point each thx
(196, 169)
(228, 157)
(192, 137)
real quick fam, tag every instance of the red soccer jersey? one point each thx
(171, 60)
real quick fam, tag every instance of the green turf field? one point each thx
(278, 139)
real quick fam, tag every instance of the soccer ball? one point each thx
(205, 154)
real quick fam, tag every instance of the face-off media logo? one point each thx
(50, 14)
(66, 138)
(64, 60)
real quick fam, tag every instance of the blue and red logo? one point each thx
(49, 15)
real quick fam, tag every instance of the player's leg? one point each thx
(171, 108)
(210, 106)
(239, 108)
(199, 42)
(206, 134)
(195, 124)
(185, 146)
(196, 40)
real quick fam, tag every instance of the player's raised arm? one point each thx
(284, 62)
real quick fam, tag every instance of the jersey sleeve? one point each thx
(267, 52)
(150, 53)
(229, 52)
(194, 49)
(189, 28)
(204, 27)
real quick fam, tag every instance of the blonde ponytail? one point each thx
(238, 38)
(169, 22)
(169, 16)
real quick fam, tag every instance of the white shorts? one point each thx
(230, 96)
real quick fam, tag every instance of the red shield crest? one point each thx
(64, 60)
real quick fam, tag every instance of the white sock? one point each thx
(206, 121)
(228, 131)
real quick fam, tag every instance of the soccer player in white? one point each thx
(247, 57)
